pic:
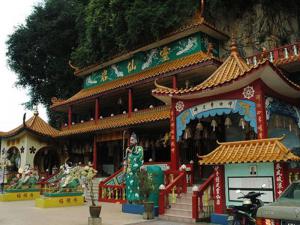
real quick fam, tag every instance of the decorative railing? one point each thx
(49, 182)
(203, 200)
(284, 52)
(175, 185)
(112, 189)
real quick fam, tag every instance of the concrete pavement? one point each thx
(25, 213)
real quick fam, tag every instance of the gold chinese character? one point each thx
(104, 75)
(131, 66)
(164, 53)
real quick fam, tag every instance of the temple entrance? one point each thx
(14, 156)
(201, 136)
(46, 159)
(109, 157)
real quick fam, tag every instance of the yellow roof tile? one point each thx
(159, 70)
(251, 151)
(143, 116)
(35, 124)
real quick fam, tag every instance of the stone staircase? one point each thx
(96, 182)
(181, 211)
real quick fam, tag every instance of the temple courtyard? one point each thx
(25, 213)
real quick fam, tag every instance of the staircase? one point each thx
(96, 182)
(181, 210)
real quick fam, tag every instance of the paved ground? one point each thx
(25, 213)
(160, 222)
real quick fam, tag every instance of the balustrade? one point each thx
(284, 52)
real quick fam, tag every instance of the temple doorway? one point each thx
(46, 160)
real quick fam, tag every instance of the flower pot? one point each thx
(148, 210)
(95, 211)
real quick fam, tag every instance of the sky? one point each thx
(12, 14)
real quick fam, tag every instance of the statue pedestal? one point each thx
(95, 221)
(19, 196)
(62, 201)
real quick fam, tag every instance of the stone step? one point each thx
(184, 200)
(187, 206)
(181, 212)
(176, 218)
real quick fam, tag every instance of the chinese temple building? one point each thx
(31, 143)
(236, 119)
(116, 98)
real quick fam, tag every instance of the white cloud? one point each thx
(12, 14)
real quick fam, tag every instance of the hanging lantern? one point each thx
(242, 123)
(228, 122)
(197, 135)
(214, 124)
(187, 133)
(199, 126)
(147, 143)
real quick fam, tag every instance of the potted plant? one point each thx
(88, 173)
(146, 186)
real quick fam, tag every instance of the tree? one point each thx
(39, 51)
(118, 26)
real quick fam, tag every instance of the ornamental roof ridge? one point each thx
(192, 27)
(35, 124)
(249, 151)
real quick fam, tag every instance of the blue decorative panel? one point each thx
(245, 108)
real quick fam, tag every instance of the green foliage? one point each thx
(146, 184)
(117, 26)
(39, 51)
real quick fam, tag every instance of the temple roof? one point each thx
(229, 73)
(251, 151)
(195, 25)
(36, 125)
(168, 67)
(143, 116)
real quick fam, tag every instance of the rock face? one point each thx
(266, 24)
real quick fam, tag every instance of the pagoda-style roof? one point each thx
(195, 25)
(36, 125)
(234, 73)
(169, 67)
(143, 116)
(252, 151)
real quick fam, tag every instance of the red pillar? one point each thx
(69, 116)
(174, 145)
(219, 189)
(195, 208)
(95, 153)
(96, 110)
(174, 82)
(262, 129)
(129, 102)
(161, 201)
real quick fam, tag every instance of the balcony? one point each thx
(286, 57)
(121, 120)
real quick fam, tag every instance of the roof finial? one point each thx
(35, 110)
(233, 45)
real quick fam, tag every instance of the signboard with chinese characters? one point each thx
(219, 187)
(142, 61)
(280, 179)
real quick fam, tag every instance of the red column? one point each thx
(195, 208)
(174, 146)
(262, 130)
(69, 116)
(174, 82)
(219, 189)
(129, 102)
(281, 178)
(161, 201)
(95, 153)
(96, 110)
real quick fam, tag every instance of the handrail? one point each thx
(111, 176)
(177, 184)
(198, 207)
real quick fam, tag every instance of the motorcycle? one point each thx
(245, 214)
